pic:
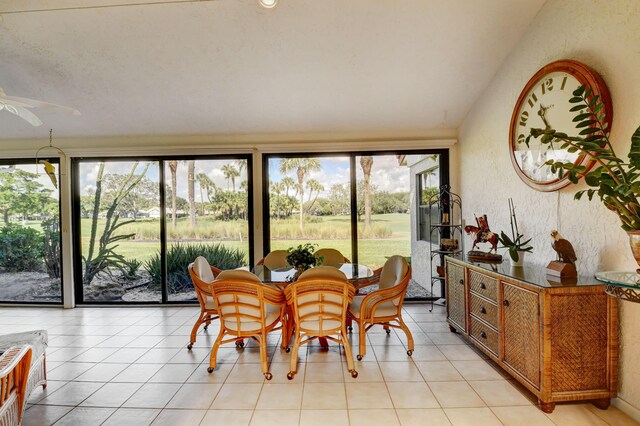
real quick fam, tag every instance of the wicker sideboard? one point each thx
(559, 340)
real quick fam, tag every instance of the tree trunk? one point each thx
(201, 200)
(6, 217)
(191, 166)
(366, 163)
(173, 166)
(301, 193)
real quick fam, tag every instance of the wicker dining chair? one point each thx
(330, 257)
(247, 309)
(319, 302)
(275, 259)
(202, 274)
(383, 306)
(14, 376)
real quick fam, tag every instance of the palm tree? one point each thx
(276, 189)
(288, 183)
(316, 186)
(367, 162)
(302, 166)
(173, 167)
(191, 168)
(230, 174)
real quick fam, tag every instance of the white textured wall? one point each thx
(604, 34)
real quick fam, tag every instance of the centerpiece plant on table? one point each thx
(614, 180)
(301, 258)
(514, 243)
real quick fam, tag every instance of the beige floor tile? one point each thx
(68, 370)
(319, 354)
(324, 417)
(382, 339)
(367, 395)
(275, 417)
(237, 396)
(324, 396)
(219, 375)
(95, 355)
(126, 355)
(400, 372)
(324, 372)
(173, 373)
(72, 394)
(388, 353)
(459, 353)
(152, 395)
(575, 414)
(373, 417)
(102, 372)
(423, 417)
(367, 372)
(427, 353)
(276, 396)
(447, 338)
(111, 395)
(132, 417)
(434, 327)
(139, 373)
(38, 394)
(39, 415)
(86, 416)
(438, 371)
(194, 356)
(157, 356)
(613, 416)
(179, 417)
(455, 394)
(472, 417)
(194, 396)
(280, 355)
(412, 395)
(227, 418)
(476, 370)
(251, 354)
(245, 373)
(522, 416)
(499, 393)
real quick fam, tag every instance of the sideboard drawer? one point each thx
(485, 335)
(484, 285)
(485, 310)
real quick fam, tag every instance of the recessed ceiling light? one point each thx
(269, 4)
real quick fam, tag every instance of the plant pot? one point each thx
(520, 261)
(634, 243)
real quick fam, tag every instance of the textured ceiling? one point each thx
(230, 66)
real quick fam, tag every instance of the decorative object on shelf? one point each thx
(541, 104)
(445, 218)
(517, 248)
(301, 258)
(614, 180)
(565, 266)
(49, 168)
(623, 285)
(482, 234)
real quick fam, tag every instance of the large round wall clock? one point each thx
(544, 103)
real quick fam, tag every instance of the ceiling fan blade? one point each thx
(23, 113)
(41, 104)
(5, 100)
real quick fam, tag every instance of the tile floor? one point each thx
(129, 366)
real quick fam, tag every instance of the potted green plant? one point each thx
(301, 258)
(614, 180)
(515, 244)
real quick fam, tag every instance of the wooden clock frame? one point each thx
(584, 75)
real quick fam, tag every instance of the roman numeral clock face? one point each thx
(544, 104)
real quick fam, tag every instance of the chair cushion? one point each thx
(203, 270)
(272, 315)
(393, 271)
(38, 339)
(237, 274)
(385, 309)
(323, 271)
(314, 325)
(276, 259)
(330, 257)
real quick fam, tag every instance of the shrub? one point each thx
(21, 248)
(130, 269)
(51, 228)
(179, 256)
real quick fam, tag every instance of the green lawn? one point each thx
(327, 231)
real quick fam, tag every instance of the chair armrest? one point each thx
(369, 281)
(371, 301)
(14, 374)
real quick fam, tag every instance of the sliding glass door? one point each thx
(139, 223)
(30, 255)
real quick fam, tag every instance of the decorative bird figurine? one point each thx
(566, 253)
(51, 171)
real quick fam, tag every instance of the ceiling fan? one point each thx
(21, 106)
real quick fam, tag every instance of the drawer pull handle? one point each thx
(461, 281)
(483, 334)
(483, 310)
(505, 302)
(482, 286)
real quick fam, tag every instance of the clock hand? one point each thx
(542, 113)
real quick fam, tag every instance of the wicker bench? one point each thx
(21, 354)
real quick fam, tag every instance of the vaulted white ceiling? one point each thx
(231, 66)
